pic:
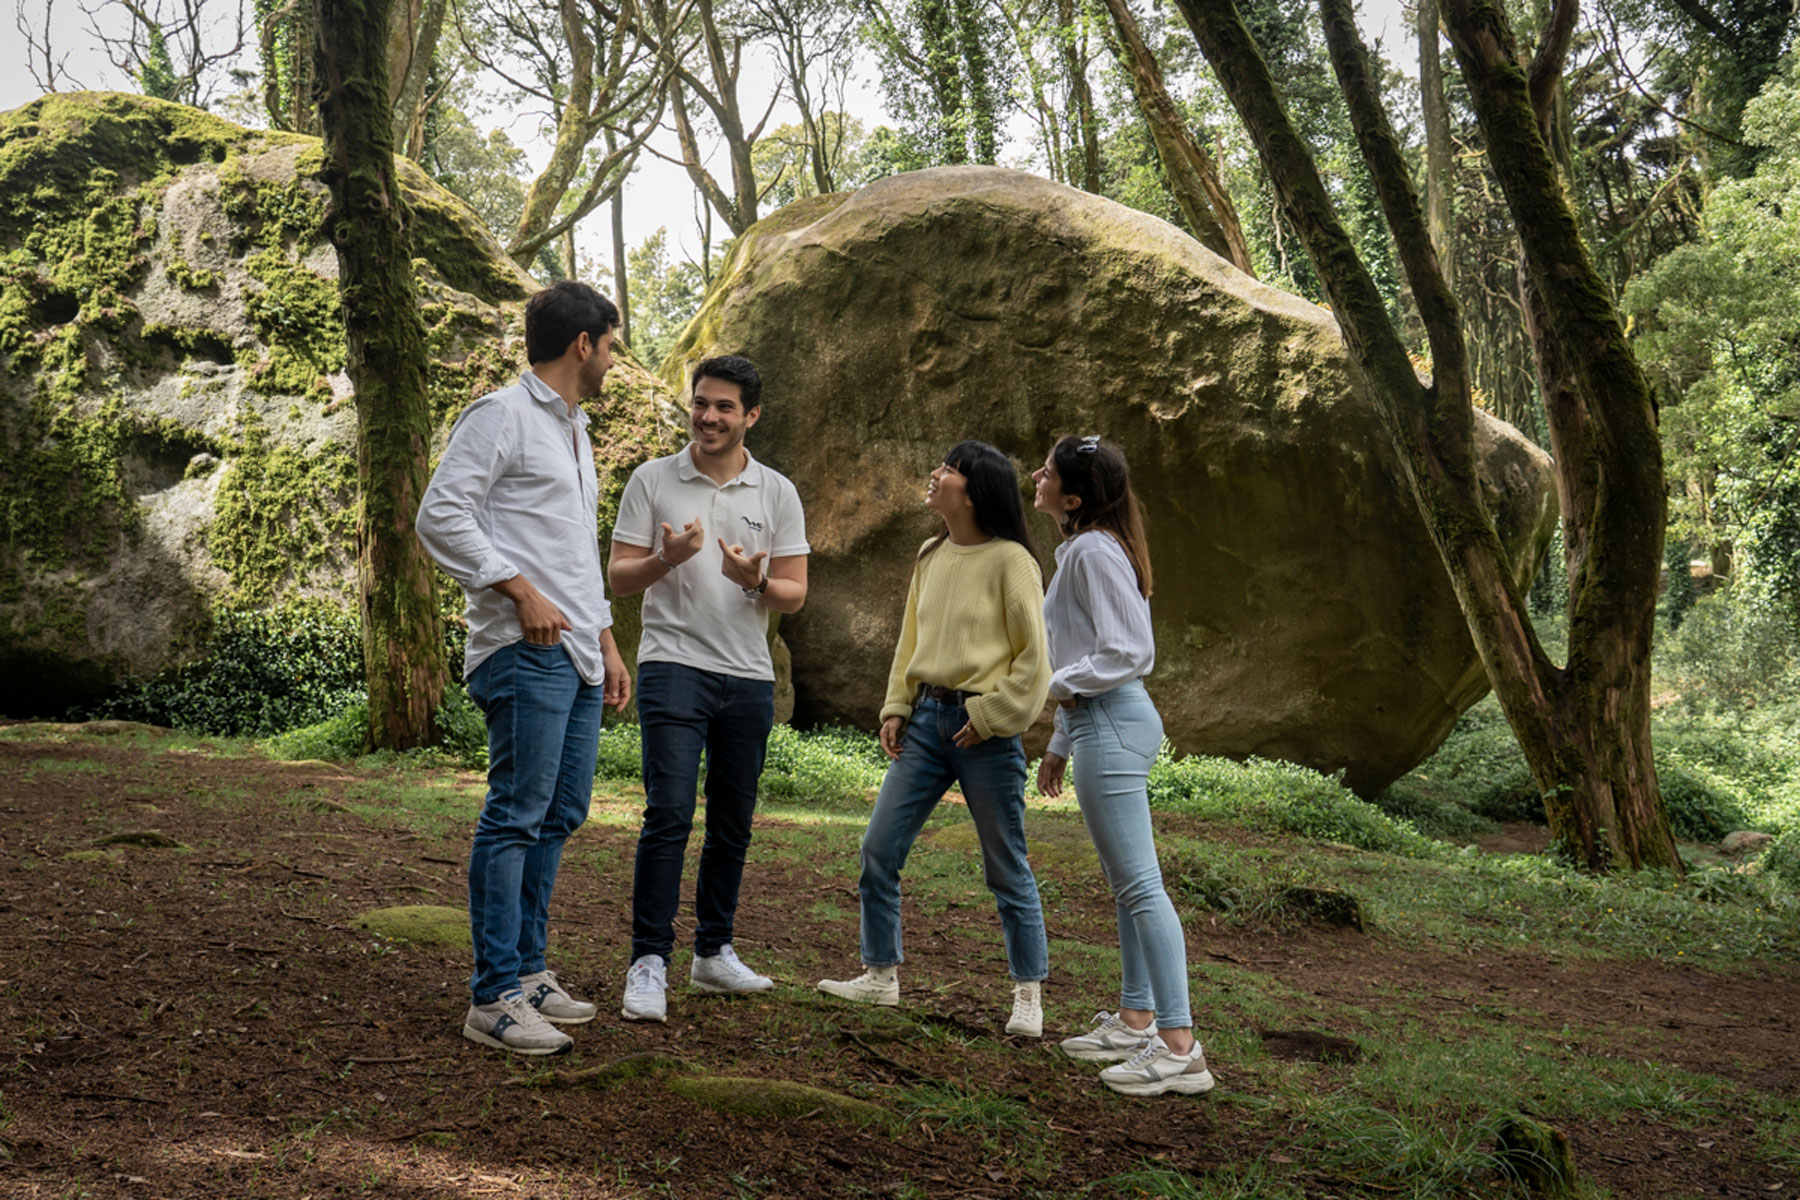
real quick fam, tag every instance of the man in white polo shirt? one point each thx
(716, 541)
(511, 515)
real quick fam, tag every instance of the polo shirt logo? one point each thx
(756, 525)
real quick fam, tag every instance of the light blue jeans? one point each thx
(543, 727)
(992, 775)
(1114, 738)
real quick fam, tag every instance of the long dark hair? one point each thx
(1094, 469)
(993, 490)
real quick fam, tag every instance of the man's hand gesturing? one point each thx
(677, 548)
(746, 572)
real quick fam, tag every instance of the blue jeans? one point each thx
(543, 727)
(682, 712)
(992, 775)
(1114, 739)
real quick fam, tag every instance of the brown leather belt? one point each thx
(944, 695)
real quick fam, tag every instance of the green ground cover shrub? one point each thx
(1278, 797)
(1719, 772)
(264, 671)
(1781, 861)
(821, 765)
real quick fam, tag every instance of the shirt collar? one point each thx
(543, 393)
(750, 476)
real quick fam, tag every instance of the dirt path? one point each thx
(206, 1019)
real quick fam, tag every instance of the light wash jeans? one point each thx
(543, 727)
(1114, 738)
(992, 776)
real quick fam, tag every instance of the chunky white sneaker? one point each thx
(509, 1023)
(645, 986)
(1028, 1010)
(877, 985)
(553, 1002)
(1110, 1040)
(1156, 1069)
(726, 972)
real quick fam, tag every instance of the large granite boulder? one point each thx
(176, 428)
(1301, 611)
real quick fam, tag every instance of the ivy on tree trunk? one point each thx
(369, 223)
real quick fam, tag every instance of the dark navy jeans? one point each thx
(543, 726)
(683, 712)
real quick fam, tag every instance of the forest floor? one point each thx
(204, 1017)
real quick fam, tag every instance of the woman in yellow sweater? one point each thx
(970, 674)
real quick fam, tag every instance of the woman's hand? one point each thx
(1050, 775)
(893, 736)
(967, 737)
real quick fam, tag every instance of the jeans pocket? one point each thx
(1136, 734)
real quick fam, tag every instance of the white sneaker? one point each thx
(645, 985)
(553, 1002)
(509, 1023)
(1110, 1040)
(1028, 1010)
(726, 972)
(877, 985)
(1156, 1069)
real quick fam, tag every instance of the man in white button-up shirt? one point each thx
(511, 515)
(716, 541)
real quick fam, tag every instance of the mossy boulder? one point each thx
(176, 427)
(1301, 611)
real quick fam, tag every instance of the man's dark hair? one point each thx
(732, 368)
(562, 312)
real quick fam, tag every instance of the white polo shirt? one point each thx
(694, 615)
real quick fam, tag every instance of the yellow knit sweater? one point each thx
(975, 622)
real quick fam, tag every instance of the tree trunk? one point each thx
(403, 648)
(1081, 95)
(978, 77)
(1440, 163)
(937, 32)
(1200, 195)
(412, 49)
(1584, 728)
(621, 294)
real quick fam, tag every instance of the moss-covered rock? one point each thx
(776, 1099)
(431, 924)
(176, 427)
(1301, 611)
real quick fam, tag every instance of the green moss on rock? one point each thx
(431, 924)
(281, 512)
(777, 1099)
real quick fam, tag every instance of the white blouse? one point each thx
(1098, 623)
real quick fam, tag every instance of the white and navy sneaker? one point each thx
(1110, 1040)
(1156, 1069)
(646, 988)
(553, 1002)
(509, 1023)
(725, 972)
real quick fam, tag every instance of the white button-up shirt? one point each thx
(1097, 621)
(515, 494)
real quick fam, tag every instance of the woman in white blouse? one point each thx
(1098, 616)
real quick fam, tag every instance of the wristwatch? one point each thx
(756, 593)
